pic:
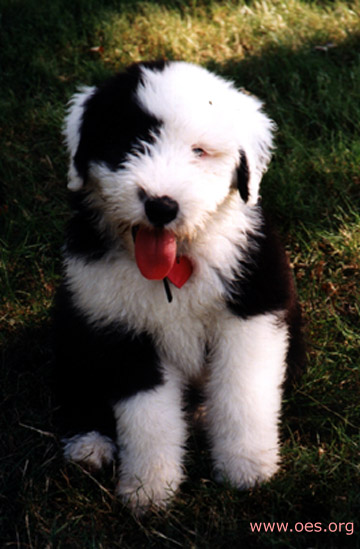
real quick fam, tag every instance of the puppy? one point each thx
(170, 270)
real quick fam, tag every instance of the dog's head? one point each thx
(165, 145)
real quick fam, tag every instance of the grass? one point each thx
(302, 58)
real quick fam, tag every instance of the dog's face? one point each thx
(166, 145)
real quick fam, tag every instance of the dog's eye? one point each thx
(198, 151)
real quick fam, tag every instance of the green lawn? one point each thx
(303, 59)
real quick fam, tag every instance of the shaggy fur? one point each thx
(171, 145)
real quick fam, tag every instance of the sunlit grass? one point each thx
(223, 31)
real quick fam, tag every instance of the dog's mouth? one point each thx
(157, 256)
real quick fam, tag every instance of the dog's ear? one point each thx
(255, 143)
(72, 133)
(243, 176)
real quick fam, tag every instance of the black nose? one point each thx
(161, 211)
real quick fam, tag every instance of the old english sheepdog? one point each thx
(171, 270)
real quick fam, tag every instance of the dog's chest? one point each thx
(111, 292)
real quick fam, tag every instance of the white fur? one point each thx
(152, 432)
(72, 132)
(244, 398)
(92, 449)
(203, 109)
(248, 356)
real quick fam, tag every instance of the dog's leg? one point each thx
(151, 437)
(82, 411)
(244, 398)
(84, 417)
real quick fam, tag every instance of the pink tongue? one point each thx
(155, 252)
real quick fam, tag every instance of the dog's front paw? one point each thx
(153, 493)
(243, 471)
(92, 449)
(141, 498)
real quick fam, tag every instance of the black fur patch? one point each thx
(266, 285)
(243, 175)
(83, 237)
(266, 282)
(113, 122)
(95, 368)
